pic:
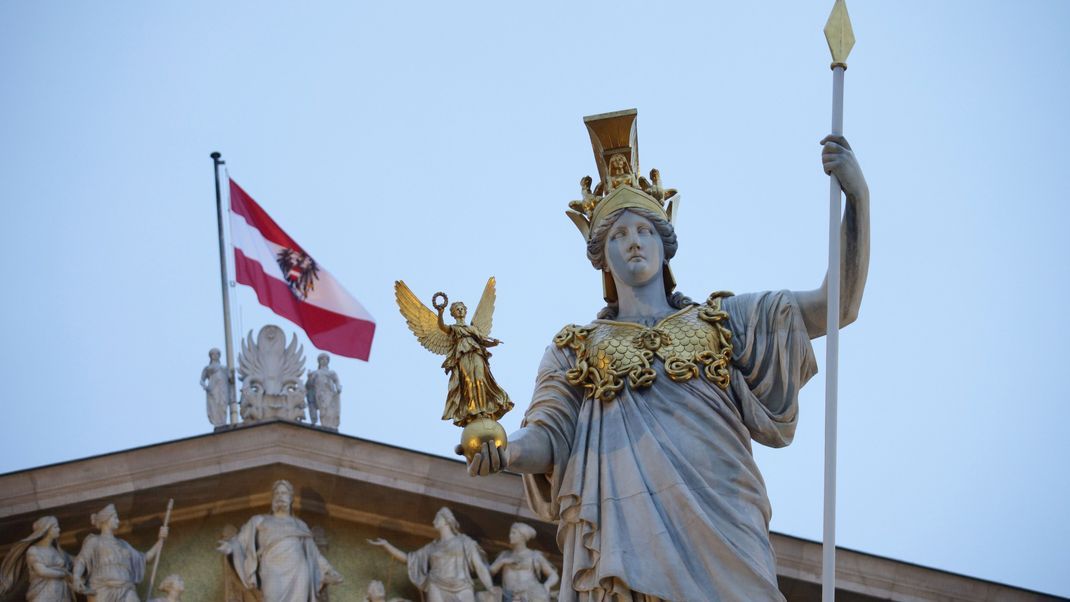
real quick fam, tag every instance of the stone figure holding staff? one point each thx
(112, 566)
(638, 438)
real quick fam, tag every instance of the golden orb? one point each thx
(480, 431)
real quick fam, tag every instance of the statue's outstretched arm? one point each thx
(838, 159)
(390, 549)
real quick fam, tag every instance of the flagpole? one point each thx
(217, 161)
(840, 39)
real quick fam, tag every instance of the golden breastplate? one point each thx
(690, 342)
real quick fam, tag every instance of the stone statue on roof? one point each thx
(324, 392)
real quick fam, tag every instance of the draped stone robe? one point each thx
(278, 557)
(656, 493)
(48, 589)
(443, 568)
(114, 567)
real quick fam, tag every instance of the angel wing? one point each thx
(422, 321)
(484, 316)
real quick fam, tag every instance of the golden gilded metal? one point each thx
(616, 153)
(474, 400)
(690, 342)
(839, 35)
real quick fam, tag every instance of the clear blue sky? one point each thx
(440, 143)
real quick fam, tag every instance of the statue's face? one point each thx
(281, 501)
(458, 311)
(54, 531)
(113, 522)
(515, 537)
(634, 251)
(213, 355)
(323, 362)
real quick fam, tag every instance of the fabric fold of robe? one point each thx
(444, 569)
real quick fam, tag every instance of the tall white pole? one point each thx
(232, 398)
(840, 39)
(832, 358)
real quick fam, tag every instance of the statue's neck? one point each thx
(640, 303)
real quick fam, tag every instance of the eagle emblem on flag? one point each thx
(299, 271)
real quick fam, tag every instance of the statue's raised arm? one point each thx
(838, 159)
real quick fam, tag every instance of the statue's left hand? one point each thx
(164, 532)
(838, 159)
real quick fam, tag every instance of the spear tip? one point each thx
(839, 35)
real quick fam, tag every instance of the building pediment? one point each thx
(352, 489)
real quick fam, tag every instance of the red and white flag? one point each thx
(291, 283)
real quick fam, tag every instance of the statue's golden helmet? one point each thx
(616, 153)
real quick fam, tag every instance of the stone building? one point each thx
(349, 490)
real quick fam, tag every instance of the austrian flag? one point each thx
(291, 283)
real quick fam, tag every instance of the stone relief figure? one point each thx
(216, 391)
(527, 576)
(637, 442)
(377, 593)
(39, 560)
(324, 393)
(271, 372)
(275, 554)
(173, 586)
(443, 568)
(112, 566)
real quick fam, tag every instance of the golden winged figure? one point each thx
(473, 393)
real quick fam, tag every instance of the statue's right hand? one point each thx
(379, 541)
(488, 460)
(224, 547)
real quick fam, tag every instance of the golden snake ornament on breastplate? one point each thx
(690, 342)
